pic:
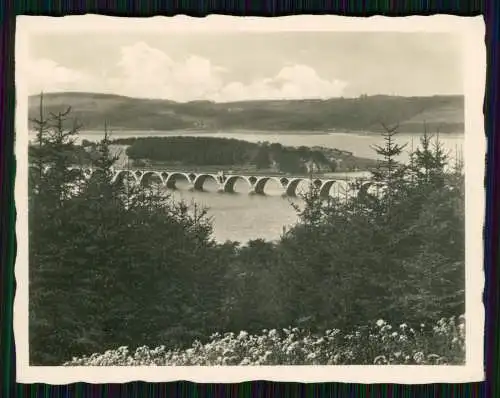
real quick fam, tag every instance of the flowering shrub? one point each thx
(379, 344)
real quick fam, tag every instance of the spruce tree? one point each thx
(36, 155)
(429, 160)
(389, 173)
(49, 217)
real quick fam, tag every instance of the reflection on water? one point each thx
(240, 216)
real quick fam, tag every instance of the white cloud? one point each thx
(144, 71)
(291, 82)
(46, 75)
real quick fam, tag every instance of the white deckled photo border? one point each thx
(471, 29)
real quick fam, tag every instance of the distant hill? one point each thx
(445, 113)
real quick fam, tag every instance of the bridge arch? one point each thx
(291, 188)
(364, 189)
(324, 190)
(120, 175)
(94, 173)
(231, 181)
(149, 176)
(173, 178)
(261, 184)
(347, 188)
(371, 188)
(200, 180)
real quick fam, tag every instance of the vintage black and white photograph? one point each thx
(248, 199)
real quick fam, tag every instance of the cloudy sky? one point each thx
(245, 66)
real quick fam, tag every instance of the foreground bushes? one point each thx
(379, 344)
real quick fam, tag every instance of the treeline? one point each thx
(115, 265)
(212, 151)
(445, 113)
(196, 151)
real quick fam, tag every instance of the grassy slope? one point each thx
(443, 112)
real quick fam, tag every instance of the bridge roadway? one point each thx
(225, 183)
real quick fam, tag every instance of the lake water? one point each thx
(242, 217)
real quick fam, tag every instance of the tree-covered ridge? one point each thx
(112, 264)
(230, 153)
(365, 113)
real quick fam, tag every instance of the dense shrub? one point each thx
(377, 344)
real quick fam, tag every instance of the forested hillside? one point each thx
(443, 113)
(231, 153)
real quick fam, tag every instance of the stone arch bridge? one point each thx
(224, 182)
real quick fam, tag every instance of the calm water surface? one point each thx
(242, 217)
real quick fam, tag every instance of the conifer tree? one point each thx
(404, 246)
(429, 160)
(49, 218)
(389, 173)
(36, 156)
